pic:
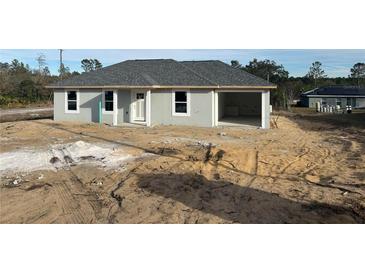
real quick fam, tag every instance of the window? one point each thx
(181, 103)
(108, 101)
(72, 101)
(140, 96)
(353, 102)
(338, 102)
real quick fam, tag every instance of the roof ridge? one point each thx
(244, 71)
(153, 59)
(198, 74)
(210, 60)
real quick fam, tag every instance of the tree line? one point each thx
(290, 88)
(21, 85)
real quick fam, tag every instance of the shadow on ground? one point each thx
(238, 204)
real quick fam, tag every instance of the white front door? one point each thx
(139, 106)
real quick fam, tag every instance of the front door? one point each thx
(139, 106)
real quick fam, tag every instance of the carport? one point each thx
(242, 108)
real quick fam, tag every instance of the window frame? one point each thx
(77, 102)
(339, 102)
(104, 111)
(348, 101)
(173, 103)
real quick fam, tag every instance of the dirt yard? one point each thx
(301, 172)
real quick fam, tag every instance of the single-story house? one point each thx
(334, 96)
(165, 91)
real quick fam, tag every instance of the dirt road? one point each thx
(19, 114)
(302, 172)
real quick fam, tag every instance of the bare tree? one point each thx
(291, 91)
(41, 60)
(358, 72)
(316, 72)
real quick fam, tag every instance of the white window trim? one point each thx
(174, 113)
(77, 102)
(103, 101)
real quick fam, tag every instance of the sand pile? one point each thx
(63, 155)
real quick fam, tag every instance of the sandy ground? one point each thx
(301, 172)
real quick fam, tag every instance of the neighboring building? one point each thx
(334, 95)
(164, 91)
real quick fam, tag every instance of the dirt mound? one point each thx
(63, 155)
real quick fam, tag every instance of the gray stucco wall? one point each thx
(360, 102)
(124, 101)
(89, 99)
(89, 109)
(200, 109)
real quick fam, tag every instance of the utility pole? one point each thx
(61, 64)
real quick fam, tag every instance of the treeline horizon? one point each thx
(290, 88)
(20, 84)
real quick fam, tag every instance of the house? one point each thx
(334, 96)
(165, 91)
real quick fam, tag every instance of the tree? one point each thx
(316, 72)
(90, 64)
(235, 64)
(5, 81)
(28, 89)
(275, 73)
(46, 71)
(4, 66)
(358, 72)
(291, 90)
(75, 73)
(86, 65)
(18, 67)
(63, 71)
(267, 69)
(97, 64)
(41, 60)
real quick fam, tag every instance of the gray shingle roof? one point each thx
(165, 72)
(336, 91)
(224, 75)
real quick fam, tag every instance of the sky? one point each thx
(336, 63)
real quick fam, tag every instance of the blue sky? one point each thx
(296, 61)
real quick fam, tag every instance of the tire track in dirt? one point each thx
(69, 205)
(297, 158)
(118, 199)
(91, 198)
(321, 159)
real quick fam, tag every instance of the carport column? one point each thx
(115, 107)
(148, 108)
(215, 108)
(265, 109)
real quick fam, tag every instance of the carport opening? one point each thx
(239, 109)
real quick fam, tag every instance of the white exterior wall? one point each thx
(265, 109)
